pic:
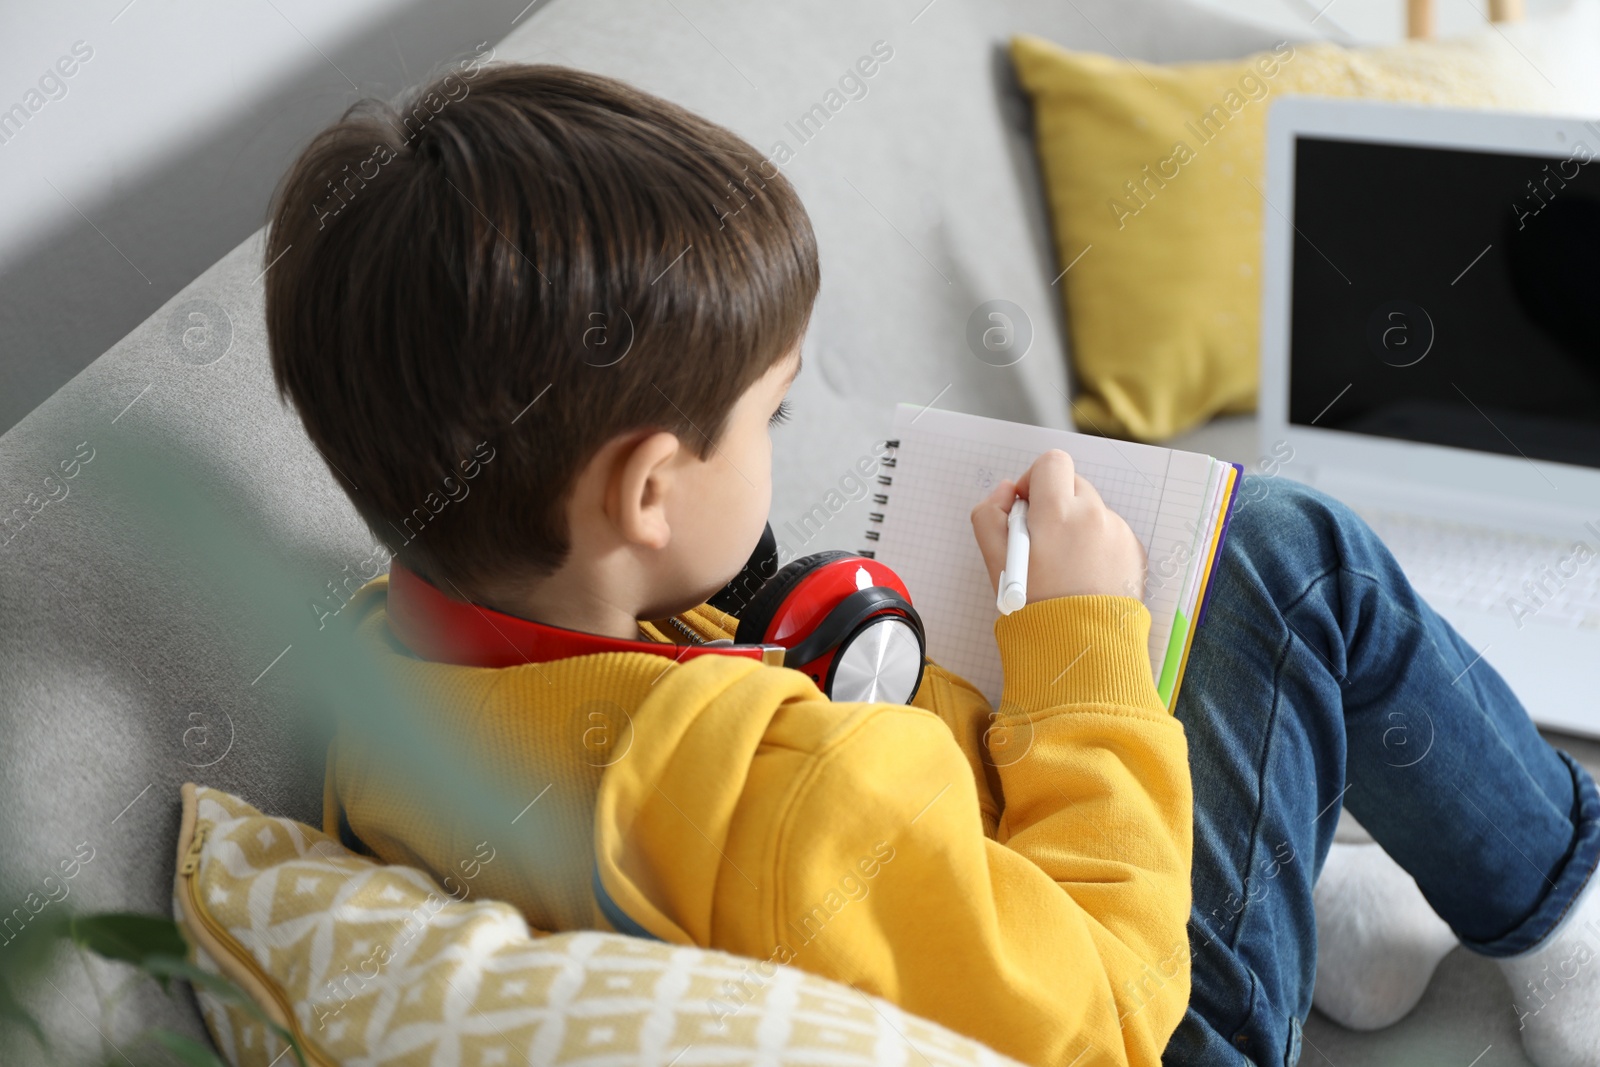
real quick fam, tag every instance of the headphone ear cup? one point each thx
(880, 660)
(764, 605)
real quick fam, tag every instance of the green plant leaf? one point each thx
(163, 967)
(189, 1052)
(171, 967)
(156, 946)
(30, 951)
(127, 936)
(130, 938)
(167, 967)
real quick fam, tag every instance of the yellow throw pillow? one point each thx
(1154, 178)
(377, 964)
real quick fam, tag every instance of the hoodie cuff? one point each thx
(1076, 650)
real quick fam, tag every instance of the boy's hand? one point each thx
(1077, 545)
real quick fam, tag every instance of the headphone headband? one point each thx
(814, 615)
(447, 630)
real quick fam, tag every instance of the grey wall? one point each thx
(163, 151)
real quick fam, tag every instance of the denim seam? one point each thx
(1230, 944)
(1342, 676)
(1294, 601)
(1376, 581)
(1255, 830)
(1382, 587)
(1256, 993)
(1261, 788)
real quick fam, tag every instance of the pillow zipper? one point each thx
(189, 870)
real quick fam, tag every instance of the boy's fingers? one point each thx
(996, 506)
(989, 527)
(1001, 496)
(1059, 463)
(1085, 489)
(998, 502)
(1053, 471)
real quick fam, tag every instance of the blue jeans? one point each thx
(1319, 678)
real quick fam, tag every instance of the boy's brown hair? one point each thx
(473, 290)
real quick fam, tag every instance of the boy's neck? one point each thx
(570, 610)
(589, 618)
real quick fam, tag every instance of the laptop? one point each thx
(1431, 355)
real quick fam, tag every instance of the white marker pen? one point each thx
(1013, 592)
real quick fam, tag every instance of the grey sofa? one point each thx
(127, 671)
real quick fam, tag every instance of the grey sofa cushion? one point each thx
(127, 670)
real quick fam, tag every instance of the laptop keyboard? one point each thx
(1535, 579)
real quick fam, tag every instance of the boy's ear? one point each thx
(636, 500)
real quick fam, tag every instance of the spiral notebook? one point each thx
(942, 463)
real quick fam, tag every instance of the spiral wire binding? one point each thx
(880, 499)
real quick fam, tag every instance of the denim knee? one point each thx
(1289, 533)
(1267, 508)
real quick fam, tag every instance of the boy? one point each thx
(1074, 900)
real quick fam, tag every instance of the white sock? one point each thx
(1556, 986)
(1378, 940)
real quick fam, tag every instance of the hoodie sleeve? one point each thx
(971, 720)
(1063, 934)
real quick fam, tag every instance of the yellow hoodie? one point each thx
(1020, 876)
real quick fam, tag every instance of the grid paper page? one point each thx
(948, 461)
(1200, 546)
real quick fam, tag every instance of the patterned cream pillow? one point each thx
(376, 964)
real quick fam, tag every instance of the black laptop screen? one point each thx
(1450, 297)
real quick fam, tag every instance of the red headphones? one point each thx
(844, 620)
